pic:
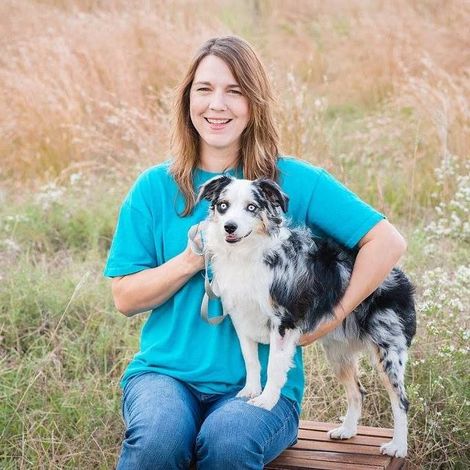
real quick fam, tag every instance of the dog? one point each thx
(278, 282)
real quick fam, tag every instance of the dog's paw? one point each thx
(393, 449)
(249, 391)
(342, 433)
(265, 401)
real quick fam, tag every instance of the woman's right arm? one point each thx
(151, 287)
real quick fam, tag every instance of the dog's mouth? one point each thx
(231, 238)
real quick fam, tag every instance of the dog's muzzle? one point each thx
(231, 238)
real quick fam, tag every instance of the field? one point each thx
(374, 91)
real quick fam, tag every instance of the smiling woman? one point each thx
(180, 391)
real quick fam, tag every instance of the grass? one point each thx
(376, 93)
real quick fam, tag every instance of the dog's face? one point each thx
(242, 208)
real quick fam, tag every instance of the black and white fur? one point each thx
(277, 283)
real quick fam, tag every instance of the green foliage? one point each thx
(66, 350)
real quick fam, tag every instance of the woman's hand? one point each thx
(379, 250)
(324, 328)
(194, 252)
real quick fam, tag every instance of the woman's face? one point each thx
(219, 111)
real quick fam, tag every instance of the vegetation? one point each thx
(376, 92)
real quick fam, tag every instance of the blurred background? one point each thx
(374, 91)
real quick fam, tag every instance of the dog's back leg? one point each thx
(390, 363)
(345, 369)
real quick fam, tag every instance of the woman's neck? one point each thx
(216, 161)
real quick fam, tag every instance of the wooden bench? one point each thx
(315, 449)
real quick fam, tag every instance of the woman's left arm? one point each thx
(379, 251)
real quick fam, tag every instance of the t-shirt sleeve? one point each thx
(338, 212)
(133, 245)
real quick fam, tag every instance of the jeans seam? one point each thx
(269, 440)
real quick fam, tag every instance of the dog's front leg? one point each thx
(249, 349)
(281, 353)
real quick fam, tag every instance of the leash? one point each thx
(209, 293)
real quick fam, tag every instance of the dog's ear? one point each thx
(273, 193)
(212, 189)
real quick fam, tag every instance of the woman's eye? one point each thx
(251, 207)
(236, 92)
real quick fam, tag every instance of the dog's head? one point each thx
(243, 207)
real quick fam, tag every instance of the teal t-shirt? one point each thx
(175, 340)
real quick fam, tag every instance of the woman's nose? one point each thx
(217, 102)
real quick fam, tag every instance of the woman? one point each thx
(179, 400)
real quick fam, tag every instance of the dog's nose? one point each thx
(230, 227)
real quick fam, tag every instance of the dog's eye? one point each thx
(222, 206)
(251, 207)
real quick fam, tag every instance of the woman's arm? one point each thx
(379, 250)
(147, 289)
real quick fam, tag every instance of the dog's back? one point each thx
(310, 276)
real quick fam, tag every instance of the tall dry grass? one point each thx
(375, 91)
(91, 81)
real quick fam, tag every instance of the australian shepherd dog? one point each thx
(277, 282)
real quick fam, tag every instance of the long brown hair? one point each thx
(259, 140)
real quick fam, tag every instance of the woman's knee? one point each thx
(161, 417)
(239, 435)
(155, 446)
(227, 448)
(225, 441)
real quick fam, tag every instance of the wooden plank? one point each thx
(383, 460)
(323, 436)
(337, 446)
(362, 430)
(300, 464)
(398, 464)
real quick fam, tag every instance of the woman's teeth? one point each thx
(217, 121)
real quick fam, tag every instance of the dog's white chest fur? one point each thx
(248, 303)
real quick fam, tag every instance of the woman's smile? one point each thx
(218, 124)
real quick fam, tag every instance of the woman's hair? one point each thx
(259, 140)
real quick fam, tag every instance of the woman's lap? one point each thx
(167, 424)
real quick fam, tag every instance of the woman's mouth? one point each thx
(217, 124)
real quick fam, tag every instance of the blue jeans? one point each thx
(169, 425)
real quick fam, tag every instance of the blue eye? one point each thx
(251, 207)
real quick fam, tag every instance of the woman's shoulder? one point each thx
(148, 183)
(296, 169)
(156, 175)
(159, 170)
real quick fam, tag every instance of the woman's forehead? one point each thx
(215, 71)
